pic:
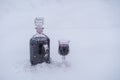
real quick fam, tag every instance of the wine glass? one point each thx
(63, 49)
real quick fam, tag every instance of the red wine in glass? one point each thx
(63, 49)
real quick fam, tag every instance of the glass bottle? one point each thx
(39, 44)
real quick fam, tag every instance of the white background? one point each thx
(92, 26)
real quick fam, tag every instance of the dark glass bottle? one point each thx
(39, 45)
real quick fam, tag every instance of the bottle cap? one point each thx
(39, 22)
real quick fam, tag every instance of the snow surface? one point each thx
(92, 26)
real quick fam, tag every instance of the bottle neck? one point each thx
(39, 30)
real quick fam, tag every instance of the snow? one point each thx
(93, 28)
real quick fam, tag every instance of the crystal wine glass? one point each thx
(63, 49)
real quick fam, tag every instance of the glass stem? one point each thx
(63, 59)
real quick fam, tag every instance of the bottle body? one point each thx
(39, 49)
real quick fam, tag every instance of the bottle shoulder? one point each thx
(39, 37)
